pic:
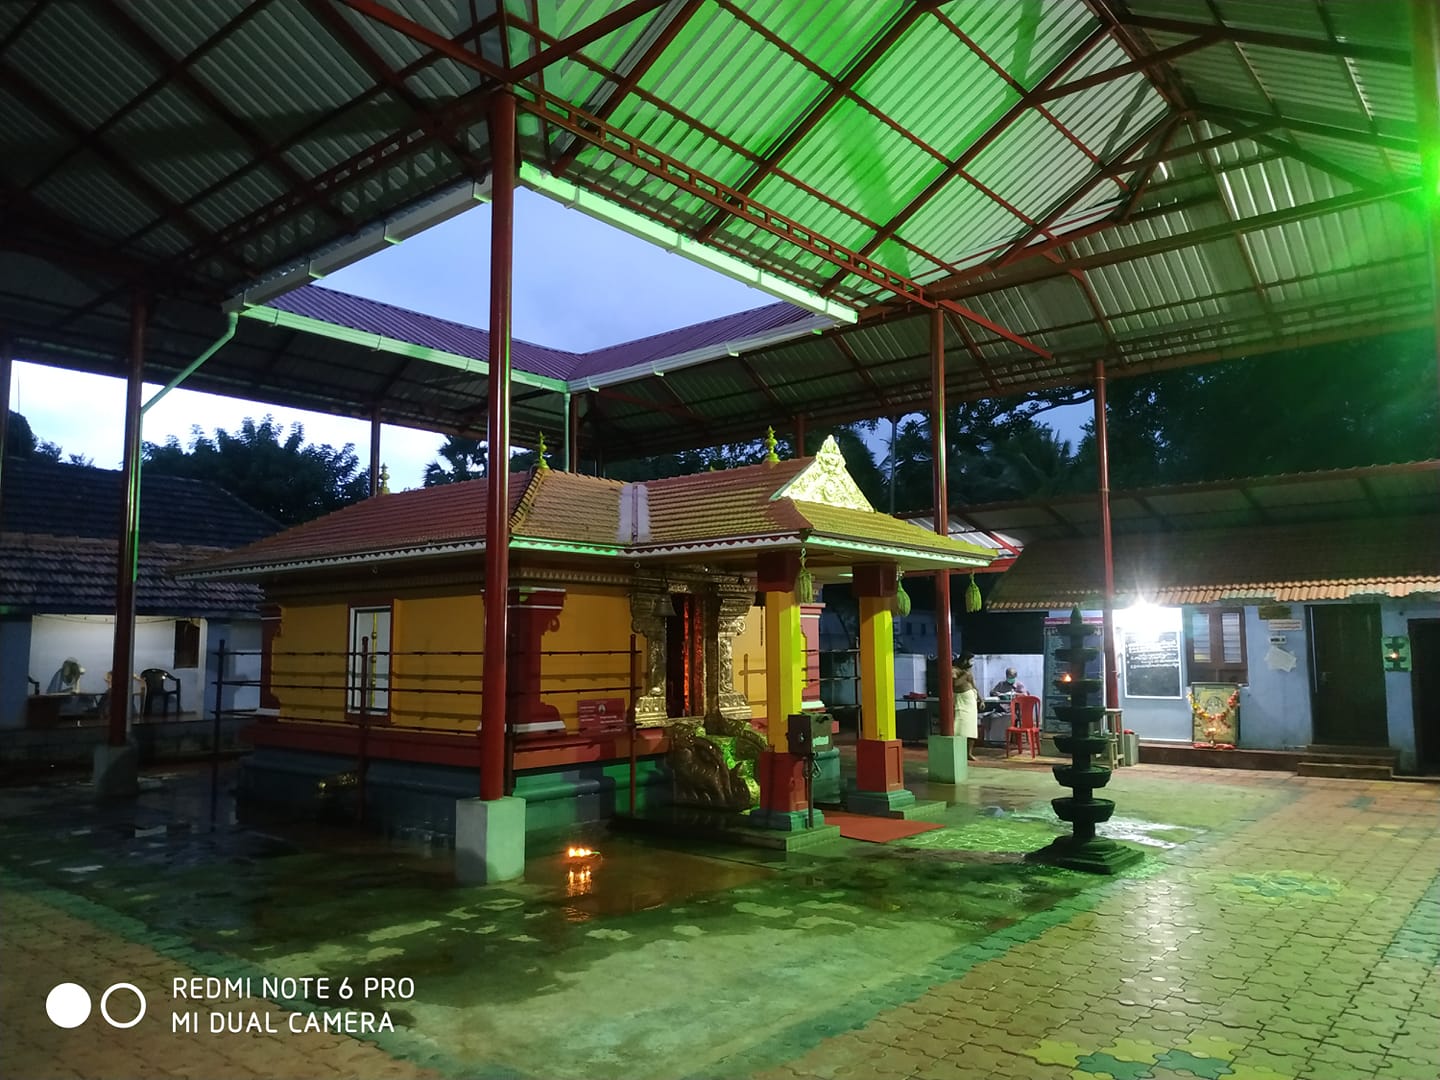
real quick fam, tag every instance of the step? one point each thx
(1377, 755)
(1344, 770)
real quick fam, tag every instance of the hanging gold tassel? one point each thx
(902, 598)
(804, 583)
(973, 601)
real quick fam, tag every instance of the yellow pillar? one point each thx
(784, 663)
(877, 669)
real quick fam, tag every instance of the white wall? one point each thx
(91, 639)
(1399, 692)
(242, 637)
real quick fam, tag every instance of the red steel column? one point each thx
(1102, 458)
(497, 490)
(944, 650)
(122, 659)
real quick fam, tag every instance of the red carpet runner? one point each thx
(877, 830)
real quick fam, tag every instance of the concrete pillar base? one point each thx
(489, 840)
(947, 759)
(117, 771)
(784, 820)
(879, 803)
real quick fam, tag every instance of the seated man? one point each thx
(1008, 686)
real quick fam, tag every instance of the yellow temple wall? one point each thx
(749, 659)
(593, 622)
(593, 634)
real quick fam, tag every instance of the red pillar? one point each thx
(944, 649)
(122, 659)
(1107, 555)
(497, 493)
(799, 436)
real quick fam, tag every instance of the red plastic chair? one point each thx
(1024, 726)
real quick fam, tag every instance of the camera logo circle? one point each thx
(68, 1005)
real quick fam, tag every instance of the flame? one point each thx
(580, 853)
(1065, 677)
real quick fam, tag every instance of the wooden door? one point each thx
(1347, 680)
(1425, 691)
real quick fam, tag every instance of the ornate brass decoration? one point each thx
(825, 480)
(709, 772)
(649, 604)
(736, 599)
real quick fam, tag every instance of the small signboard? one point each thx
(1277, 625)
(602, 714)
(1152, 664)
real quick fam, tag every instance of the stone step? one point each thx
(1345, 770)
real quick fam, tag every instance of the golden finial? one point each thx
(384, 480)
(540, 454)
(770, 456)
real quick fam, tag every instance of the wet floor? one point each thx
(627, 958)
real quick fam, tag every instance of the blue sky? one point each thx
(579, 284)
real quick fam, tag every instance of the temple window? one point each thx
(1216, 645)
(368, 680)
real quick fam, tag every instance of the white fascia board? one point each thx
(596, 206)
(663, 365)
(367, 242)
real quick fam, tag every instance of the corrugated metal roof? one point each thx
(983, 154)
(1301, 562)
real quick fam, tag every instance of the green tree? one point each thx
(460, 459)
(272, 469)
(21, 441)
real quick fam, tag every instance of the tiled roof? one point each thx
(1294, 563)
(569, 507)
(408, 520)
(724, 504)
(374, 317)
(844, 523)
(715, 508)
(77, 500)
(76, 575)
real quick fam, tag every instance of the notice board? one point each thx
(1152, 663)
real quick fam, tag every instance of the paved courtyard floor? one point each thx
(1280, 928)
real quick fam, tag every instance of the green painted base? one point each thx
(489, 840)
(1098, 856)
(946, 758)
(922, 810)
(879, 803)
(784, 820)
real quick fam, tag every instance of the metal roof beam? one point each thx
(976, 148)
(821, 107)
(1171, 243)
(1383, 54)
(631, 78)
(429, 38)
(127, 174)
(364, 54)
(1144, 63)
(1224, 114)
(1042, 227)
(575, 42)
(147, 46)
